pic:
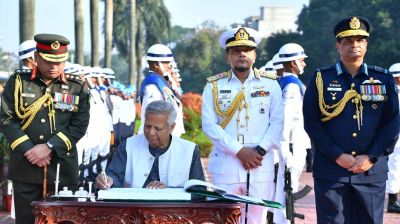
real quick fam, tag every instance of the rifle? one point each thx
(291, 197)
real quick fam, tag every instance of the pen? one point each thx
(105, 176)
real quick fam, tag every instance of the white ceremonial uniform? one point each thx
(176, 160)
(293, 132)
(152, 93)
(263, 127)
(393, 181)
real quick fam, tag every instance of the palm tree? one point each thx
(94, 31)
(79, 54)
(108, 32)
(153, 23)
(132, 41)
(26, 20)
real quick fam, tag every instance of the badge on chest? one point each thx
(66, 101)
(373, 90)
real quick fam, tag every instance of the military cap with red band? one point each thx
(52, 47)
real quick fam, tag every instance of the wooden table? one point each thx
(136, 212)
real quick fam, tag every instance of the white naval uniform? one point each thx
(176, 160)
(265, 126)
(293, 132)
(393, 181)
(152, 93)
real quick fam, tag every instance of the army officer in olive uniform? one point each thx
(43, 114)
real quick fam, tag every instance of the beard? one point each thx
(242, 68)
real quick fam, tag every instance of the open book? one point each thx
(203, 188)
(133, 194)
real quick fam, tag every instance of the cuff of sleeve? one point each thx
(21, 144)
(334, 153)
(236, 146)
(372, 159)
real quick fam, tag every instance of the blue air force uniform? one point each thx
(373, 132)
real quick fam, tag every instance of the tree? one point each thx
(94, 32)
(153, 23)
(79, 31)
(26, 20)
(315, 31)
(108, 33)
(132, 41)
(200, 57)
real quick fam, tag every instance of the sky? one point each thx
(57, 16)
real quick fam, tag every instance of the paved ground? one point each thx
(304, 206)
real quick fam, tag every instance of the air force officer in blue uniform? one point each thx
(351, 114)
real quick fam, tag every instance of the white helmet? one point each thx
(108, 73)
(71, 68)
(159, 52)
(269, 66)
(27, 49)
(291, 52)
(395, 70)
(97, 71)
(276, 62)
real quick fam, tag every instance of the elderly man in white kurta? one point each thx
(242, 114)
(155, 159)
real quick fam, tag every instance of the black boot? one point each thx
(393, 204)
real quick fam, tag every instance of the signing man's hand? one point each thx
(249, 158)
(104, 182)
(156, 185)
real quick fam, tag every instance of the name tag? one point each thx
(334, 89)
(28, 95)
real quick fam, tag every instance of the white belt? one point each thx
(249, 139)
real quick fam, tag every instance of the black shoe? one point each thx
(394, 207)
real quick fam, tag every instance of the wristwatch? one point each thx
(51, 146)
(260, 150)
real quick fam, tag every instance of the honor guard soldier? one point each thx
(26, 53)
(156, 86)
(292, 57)
(351, 114)
(393, 182)
(43, 115)
(242, 114)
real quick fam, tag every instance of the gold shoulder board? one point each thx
(266, 74)
(217, 77)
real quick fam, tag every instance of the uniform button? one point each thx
(353, 153)
(146, 174)
(41, 137)
(45, 105)
(354, 135)
(68, 153)
(352, 85)
(47, 90)
(352, 100)
(25, 104)
(42, 120)
(354, 116)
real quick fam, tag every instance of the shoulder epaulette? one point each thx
(75, 78)
(330, 67)
(266, 74)
(23, 71)
(378, 69)
(217, 77)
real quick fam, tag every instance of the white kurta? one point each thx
(174, 165)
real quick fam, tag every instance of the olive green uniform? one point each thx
(60, 121)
